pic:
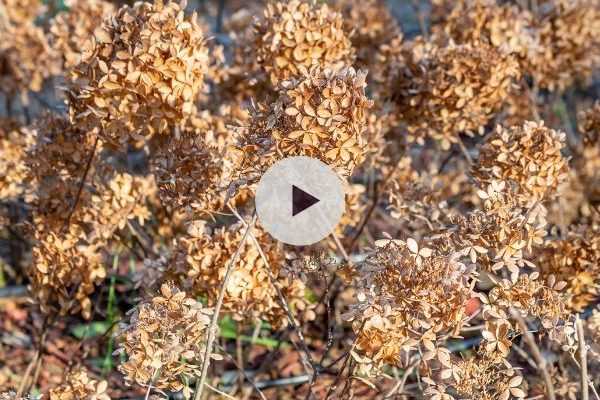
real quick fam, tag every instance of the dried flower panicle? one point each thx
(479, 377)
(322, 115)
(370, 25)
(528, 158)
(505, 26)
(79, 385)
(26, 58)
(164, 340)
(576, 260)
(193, 167)
(296, 36)
(407, 297)
(445, 91)
(140, 73)
(204, 258)
(70, 30)
(530, 296)
(569, 47)
(14, 143)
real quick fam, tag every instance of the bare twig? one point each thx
(245, 375)
(215, 318)
(81, 184)
(535, 352)
(585, 395)
(399, 387)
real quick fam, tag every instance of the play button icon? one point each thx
(299, 200)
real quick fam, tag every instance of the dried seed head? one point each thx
(79, 385)
(161, 333)
(576, 260)
(322, 115)
(70, 30)
(390, 285)
(204, 258)
(443, 92)
(140, 73)
(295, 36)
(528, 158)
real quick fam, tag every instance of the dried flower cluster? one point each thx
(26, 58)
(79, 385)
(443, 92)
(204, 258)
(556, 42)
(70, 30)
(466, 264)
(322, 115)
(298, 35)
(407, 298)
(528, 158)
(139, 73)
(163, 337)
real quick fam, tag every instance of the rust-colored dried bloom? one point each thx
(192, 172)
(322, 115)
(140, 73)
(576, 260)
(295, 36)
(70, 30)
(499, 235)
(407, 297)
(370, 25)
(249, 294)
(443, 92)
(21, 11)
(530, 296)
(504, 26)
(64, 272)
(480, 377)
(79, 385)
(14, 142)
(528, 158)
(569, 43)
(589, 125)
(55, 165)
(26, 58)
(164, 340)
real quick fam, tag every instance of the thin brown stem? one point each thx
(585, 394)
(81, 184)
(215, 318)
(535, 352)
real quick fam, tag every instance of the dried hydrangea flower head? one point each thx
(14, 142)
(64, 272)
(70, 30)
(528, 158)
(193, 167)
(26, 58)
(587, 163)
(79, 385)
(140, 73)
(569, 43)
(322, 115)
(576, 260)
(371, 25)
(407, 297)
(297, 35)
(529, 295)
(203, 257)
(160, 334)
(479, 377)
(504, 26)
(443, 92)
(22, 11)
